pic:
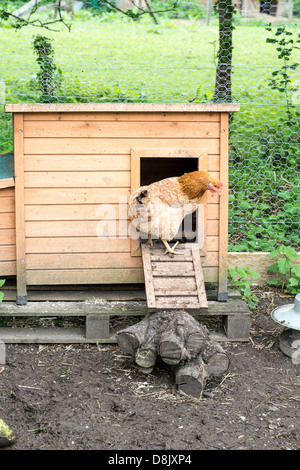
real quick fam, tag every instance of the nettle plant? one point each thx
(286, 268)
(242, 279)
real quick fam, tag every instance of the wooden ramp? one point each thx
(173, 281)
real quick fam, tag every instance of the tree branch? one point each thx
(151, 13)
(32, 5)
(141, 11)
(21, 22)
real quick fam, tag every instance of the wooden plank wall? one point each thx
(7, 233)
(75, 165)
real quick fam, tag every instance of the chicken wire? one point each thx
(111, 57)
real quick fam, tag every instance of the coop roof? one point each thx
(6, 170)
(123, 107)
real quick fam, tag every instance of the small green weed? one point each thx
(3, 320)
(40, 428)
(2, 282)
(287, 269)
(242, 279)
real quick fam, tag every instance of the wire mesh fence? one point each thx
(184, 51)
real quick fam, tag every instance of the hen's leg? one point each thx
(171, 250)
(150, 239)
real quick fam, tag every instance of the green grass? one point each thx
(168, 62)
(110, 58)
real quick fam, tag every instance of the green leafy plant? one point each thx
(3, 320)
(2, 281)
(50, 76)
(287, 269)
(242, 279)
(262, 200)
(285, 45)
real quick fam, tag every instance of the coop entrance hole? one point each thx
(155, 169)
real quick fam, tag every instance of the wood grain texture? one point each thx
(8, 268)
(7, 237)
(223, 220)
(177, 279)
(7, 204)
(77, 163)
(77, 245)
(76, 212)
(7, 192)
(96, 146)
(7, 183)
(123, 116)
(77, 228)
(76, 196)
(124, 129)
(85, 179)
(8, 253)
(85, 276)
(7, 220)
(122, 107)
(82, 261)
(19, 205)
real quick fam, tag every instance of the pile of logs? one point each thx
(181, 342)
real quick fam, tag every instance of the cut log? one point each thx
(216, 359)
(182, 339)
(191, 377)
(130, 339)
(141, 340)
(175, 336)
(181, 342)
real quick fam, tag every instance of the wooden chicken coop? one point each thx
(75, 166)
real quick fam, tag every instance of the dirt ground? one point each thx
(76, 397)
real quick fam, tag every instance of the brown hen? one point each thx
(159, 208)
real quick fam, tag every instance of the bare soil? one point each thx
(76, 397)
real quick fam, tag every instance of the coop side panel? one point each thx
(223, 209)
(77, 184)
(18, 127)
(7, 233)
